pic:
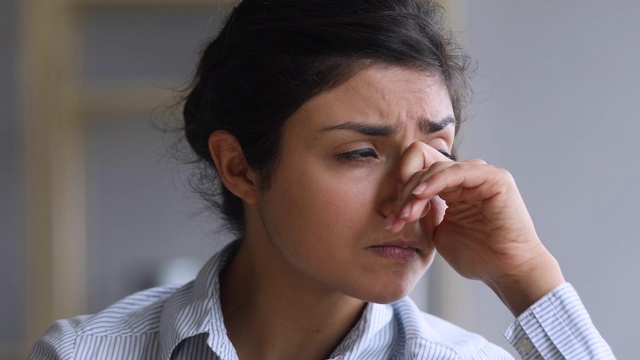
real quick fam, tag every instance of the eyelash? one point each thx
(367, 154)
(448, 154)
(364, 154)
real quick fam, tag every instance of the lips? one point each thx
(396, 250)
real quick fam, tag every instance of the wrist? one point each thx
(521, 290)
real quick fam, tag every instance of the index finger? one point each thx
(416, 157)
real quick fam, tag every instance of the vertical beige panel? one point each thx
(54, 204)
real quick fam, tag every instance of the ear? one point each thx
(232, 167)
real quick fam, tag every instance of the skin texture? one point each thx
(347, 220)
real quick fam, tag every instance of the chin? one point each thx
(386, 292)
(392, 286)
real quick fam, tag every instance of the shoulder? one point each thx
(136, 316)
(430, 337)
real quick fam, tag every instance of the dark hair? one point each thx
(272, 56)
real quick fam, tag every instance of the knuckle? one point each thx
(417, 145)
(476, 161)
(414, 159)
(505, 175)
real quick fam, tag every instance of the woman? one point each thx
(325, 129)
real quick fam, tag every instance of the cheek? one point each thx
(323, 201)
(333, 199)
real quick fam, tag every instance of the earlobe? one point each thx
(235, 173)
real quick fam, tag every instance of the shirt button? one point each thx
(524, 346)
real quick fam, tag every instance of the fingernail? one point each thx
(405, 211)
(419, 189)
(389, 222)
(426, 210)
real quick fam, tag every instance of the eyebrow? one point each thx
(426, 126)
(429, 126)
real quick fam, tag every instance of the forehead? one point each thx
(378, 94)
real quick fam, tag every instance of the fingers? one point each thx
(417, 161)
(465, 182)
(476, 161)
(471, 181)
(418, 156)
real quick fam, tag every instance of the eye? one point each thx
(448, 154)
(359, 155)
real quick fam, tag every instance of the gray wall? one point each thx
(557, 103)
(11, 218)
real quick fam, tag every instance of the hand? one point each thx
(477, 221)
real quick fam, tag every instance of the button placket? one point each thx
(524, 346)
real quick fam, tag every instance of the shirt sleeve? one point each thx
(56, 344)
(557, 327)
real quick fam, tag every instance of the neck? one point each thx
(272, 312)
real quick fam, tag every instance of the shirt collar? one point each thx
(375, 318)
(195, 309)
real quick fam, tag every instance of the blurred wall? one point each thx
(557, 102)
(141, 214)
(11, 217)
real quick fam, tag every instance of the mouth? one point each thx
(396, 251)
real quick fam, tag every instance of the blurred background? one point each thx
(93, 207)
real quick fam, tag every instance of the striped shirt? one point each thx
(186, 323)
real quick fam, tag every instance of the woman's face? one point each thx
(337, 177)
